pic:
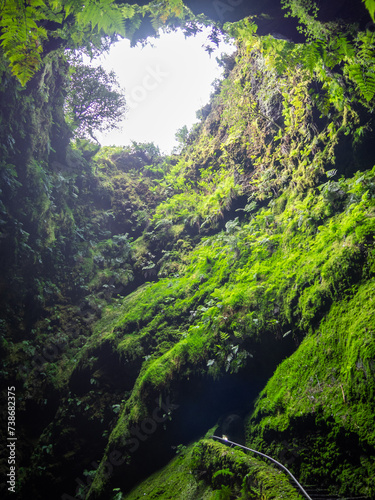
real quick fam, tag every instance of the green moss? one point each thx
(246, 476)
(207, 469)
(176, 480)
(277, 272)
(328, 382)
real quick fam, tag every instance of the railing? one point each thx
(281, 466)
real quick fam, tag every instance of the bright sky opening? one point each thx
(165, 85)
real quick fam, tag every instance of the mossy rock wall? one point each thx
(320, 400)
(209, 470)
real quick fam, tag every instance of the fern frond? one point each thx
(224, 337)
(156, 23)
(128, 11)
(370, 85)
(365, 80)
(370, 6)
(366, 55)
(345, 49)
(105, 16)
(131, 26)
(38, 3)
(70, 6)
(160, 12)
(22, 38)
(313, 55)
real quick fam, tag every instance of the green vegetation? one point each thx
(28, 27)
(328, 383)
(94, 101)
(209, 470)
(133, 284)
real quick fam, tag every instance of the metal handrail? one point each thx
(226, 441)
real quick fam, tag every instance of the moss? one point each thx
(206, 469)
(329, 383)
(176, 480)
(247, 477)
(275, 271)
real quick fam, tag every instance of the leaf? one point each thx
(345, 48)
(102, 16)
(314, 54)
(36, 3)
(365, 80)
(370, 6)
(22, 40)
(128, 11)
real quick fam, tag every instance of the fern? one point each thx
(22, 39)
(106, 17)
(70, 6)
(82, 23)
(224, 337)
(365, 80)
(370, 6)
(132, 25)
(128, 11)
(345, 49)
(314, 53)
(160, 12)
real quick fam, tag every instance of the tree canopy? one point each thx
(94, 101)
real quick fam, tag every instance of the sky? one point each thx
(165, 85)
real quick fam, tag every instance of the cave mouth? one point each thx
(166, 81)
(169, 75)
